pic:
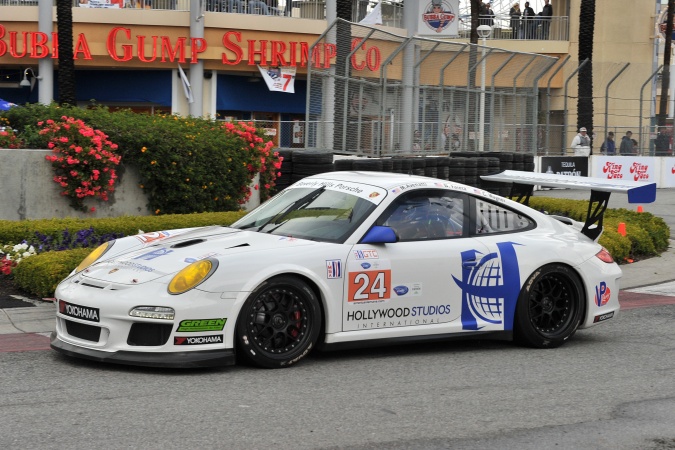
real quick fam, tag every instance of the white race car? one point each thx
(345, 259)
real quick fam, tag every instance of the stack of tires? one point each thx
(343, 164)
(457, 169)
(528, 162)
(311, 162)
(367, 164)
(443, 169)
(431, 167)
(492, 168)
(419, 166)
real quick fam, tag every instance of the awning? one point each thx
(237, 93)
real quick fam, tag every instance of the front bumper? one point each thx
(204, 358)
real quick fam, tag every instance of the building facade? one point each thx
(128, 54)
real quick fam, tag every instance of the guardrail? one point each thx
(536, 28)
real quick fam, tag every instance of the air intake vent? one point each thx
(188, 243)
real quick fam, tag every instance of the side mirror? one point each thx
(379, 235)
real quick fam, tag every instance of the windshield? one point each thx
(315, 213)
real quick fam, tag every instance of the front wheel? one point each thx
(279, 323)
(550, 307)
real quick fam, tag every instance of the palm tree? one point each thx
(66, 80)
(585, 76)
(343, 37)
(665, 76)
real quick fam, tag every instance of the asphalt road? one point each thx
(610, 387)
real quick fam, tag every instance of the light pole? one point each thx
(484, 32)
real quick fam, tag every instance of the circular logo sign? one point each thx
(438, 15)
(661, 22)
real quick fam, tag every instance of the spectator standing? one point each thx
(546, 14)
(626, 147)
(486, 15)
(528, 24)
(609, 146)
(581, 144)
(662, 144)
(515, 14)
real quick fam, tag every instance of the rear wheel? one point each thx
(550, 307)
(279, 323)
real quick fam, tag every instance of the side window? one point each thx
(427, 215)
(493, 218)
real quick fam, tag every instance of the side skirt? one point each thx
(490, 335)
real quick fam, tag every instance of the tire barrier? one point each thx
(459, 167)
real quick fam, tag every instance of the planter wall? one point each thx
(27, 191)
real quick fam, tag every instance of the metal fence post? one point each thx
(562, 148)
(642, 89)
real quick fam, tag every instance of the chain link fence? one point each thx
(371, 92)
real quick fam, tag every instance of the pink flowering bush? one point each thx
(8, 137)
(84, 160)
(262, 159)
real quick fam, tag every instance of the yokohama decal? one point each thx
(198, 340)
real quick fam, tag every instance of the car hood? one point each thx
(148, 263)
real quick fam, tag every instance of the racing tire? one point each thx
(549, 308)
(279, 323)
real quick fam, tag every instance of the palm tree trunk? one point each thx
(66, 79)
(665, 76)
(585, 76)
(343, 47)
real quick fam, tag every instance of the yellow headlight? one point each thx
(191, 276)
(93, 256)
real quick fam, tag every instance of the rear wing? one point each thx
(524, 182)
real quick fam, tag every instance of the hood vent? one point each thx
(241, 245)
(188, 243)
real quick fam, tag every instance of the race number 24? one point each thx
(369, 285)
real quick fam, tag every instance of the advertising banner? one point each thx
(438, 18)
(565, 165)
(630, 168)
(279, 79)
(667, 173)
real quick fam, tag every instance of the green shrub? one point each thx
(18, 231)
(646, 234)
(40, 274)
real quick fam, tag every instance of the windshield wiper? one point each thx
(307, 199)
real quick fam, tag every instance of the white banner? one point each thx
(375, 17)
(279, 79)
(668, 172)
(187, 89)
(438, 18)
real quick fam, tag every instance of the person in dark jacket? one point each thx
(626, 147)
(528, 23)
(515, 14)
(662, 144)
(609, 146)
(546, 14)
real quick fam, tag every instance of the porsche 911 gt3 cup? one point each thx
(345, 259)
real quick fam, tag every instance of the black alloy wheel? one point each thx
(550, 307)
(279, 323)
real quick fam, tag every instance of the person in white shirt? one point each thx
(581, 144)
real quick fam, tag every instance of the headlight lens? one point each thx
(153, 312)
(192, 276)
(93, 256)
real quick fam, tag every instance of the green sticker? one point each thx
(190, 325)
